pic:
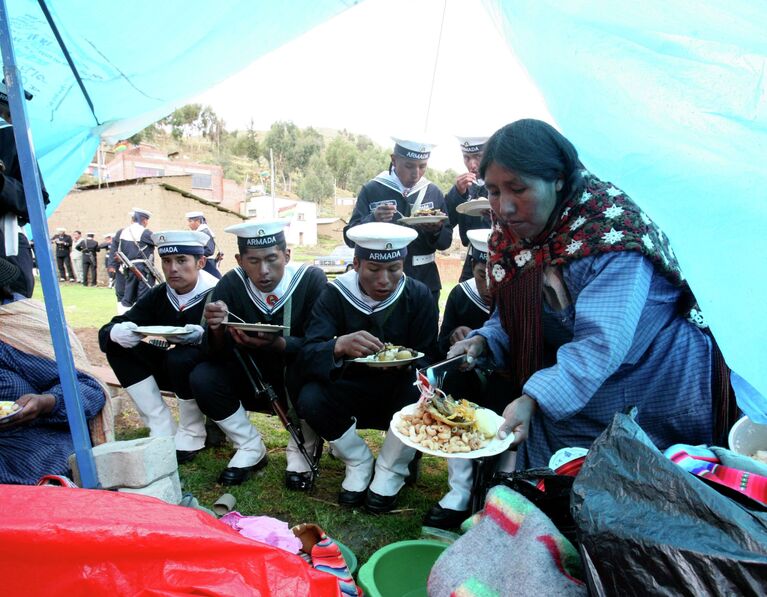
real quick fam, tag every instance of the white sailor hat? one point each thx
(258, 233)
(141, 212)
(380, 241)
(61, 229)
(194, 214)
(109, 235)
(4, 93)
(179, 242)
(413, 150)
(478, 239)
(91, 234)
(472, 144)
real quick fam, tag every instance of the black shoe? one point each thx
(299, 481)
(413, 469)
(445, 518)
(184, 456)
(351, 499)
(238, 476)
(214, 438)
(380, 504)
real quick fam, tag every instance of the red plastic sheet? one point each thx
(61, 541)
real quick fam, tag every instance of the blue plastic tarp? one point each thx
(137, 61)
(668, 100)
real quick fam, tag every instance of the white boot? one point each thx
(245, 437)
(355, 454)
(190, 436)
(391, 466)
(296, 461)
(459, 479)
(146, 394)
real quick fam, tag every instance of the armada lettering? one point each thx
(390, 256)
(417, 156)
(165, 250)
(260, 242)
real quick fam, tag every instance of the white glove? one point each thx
(193, 335)
(123, 334)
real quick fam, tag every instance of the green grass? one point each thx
(265, 493)
(84, 307)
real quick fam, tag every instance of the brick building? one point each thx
(145, 161)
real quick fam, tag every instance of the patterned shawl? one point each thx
(595, 218)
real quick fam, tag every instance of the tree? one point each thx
(317, 183)
(309, 144)
(281, 139)
(341, 156)
(369, 162)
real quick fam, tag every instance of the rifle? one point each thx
(129, 264)
(265, 389)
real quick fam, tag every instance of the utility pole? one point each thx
(274, 201)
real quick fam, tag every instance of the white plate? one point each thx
(475, 207)
(372, 363)
(161, 330)
(256, 327)
(493, 447)
(5, 405)
(416, 220)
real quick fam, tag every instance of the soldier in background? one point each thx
(77, 255)
(63, 244)
(197, 221)
(89, 247)
(135, 242)
(111, 271)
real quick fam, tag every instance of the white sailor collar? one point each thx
(182, 302)
(206, 228)
(135, 230)
(392, 181)
(271, 302)
(469, 287)
(349, 287)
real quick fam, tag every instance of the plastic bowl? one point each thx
(349, 557)
(400, 569)
(746, 437)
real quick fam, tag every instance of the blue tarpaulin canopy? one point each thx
(665, 98)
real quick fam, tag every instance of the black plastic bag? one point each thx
(553, 501)
(647, 527)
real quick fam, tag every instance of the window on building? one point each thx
(143, 172)
(301, 217)
(202, 181)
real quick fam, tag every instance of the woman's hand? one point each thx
(459, 334)
(32, 407)
(472, 347)
(517, 417)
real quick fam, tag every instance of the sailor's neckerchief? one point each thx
(283, 291)
(204, 226)
(392, 181)
(349, 286)
(469, 288)
(181, 302)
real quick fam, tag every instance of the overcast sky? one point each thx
(370, 71)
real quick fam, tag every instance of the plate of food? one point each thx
(474, 207)
(8, 408)
(424, 216)
(161, 330)
(390, 355)
(442, 426)
(272, 328)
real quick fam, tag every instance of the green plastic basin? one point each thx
(400, 569)
(349, 557)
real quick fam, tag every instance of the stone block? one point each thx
(167, 489)
(135, 463)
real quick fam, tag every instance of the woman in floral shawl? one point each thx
(592, 313)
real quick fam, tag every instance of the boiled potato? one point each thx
(403, 354)
(486, 422)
